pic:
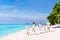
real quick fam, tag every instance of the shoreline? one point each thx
(21, 35)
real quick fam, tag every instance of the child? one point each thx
(28, 29)
(40, 26)
(48, 26)
(33, 27)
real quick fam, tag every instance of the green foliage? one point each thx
(54, 17)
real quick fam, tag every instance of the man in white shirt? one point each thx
(40, 26)
(48, 26)
(33, 27)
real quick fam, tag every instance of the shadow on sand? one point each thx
(57, 27)
(39, 33)
(42, 32)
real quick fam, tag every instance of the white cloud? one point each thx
(17, 13)
(6, 7)
(26, 16)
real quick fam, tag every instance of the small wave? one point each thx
(1, 28)
(13, 27)
(7, 28)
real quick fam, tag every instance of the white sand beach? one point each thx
(21, 35)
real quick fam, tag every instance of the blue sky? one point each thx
(22, 11)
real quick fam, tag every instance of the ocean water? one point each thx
(8, 29)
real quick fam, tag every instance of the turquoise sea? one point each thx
(8, 29)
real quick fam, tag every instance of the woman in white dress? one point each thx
(33, 27)
(27, 29)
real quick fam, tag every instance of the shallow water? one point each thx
(8, 29)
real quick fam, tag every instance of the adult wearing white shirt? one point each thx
(33, 27)
(27, 29)
(48, 26)
(40, 26)
(45, 27)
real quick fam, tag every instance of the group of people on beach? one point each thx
(46, 26)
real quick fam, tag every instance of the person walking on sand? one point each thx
(48, 26)
(45, 28)
(40, 26)
(27, 28)
(33, 27)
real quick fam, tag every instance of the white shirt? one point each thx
(40, 25)
(48, 24)
(33, 26)
(27, 27)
